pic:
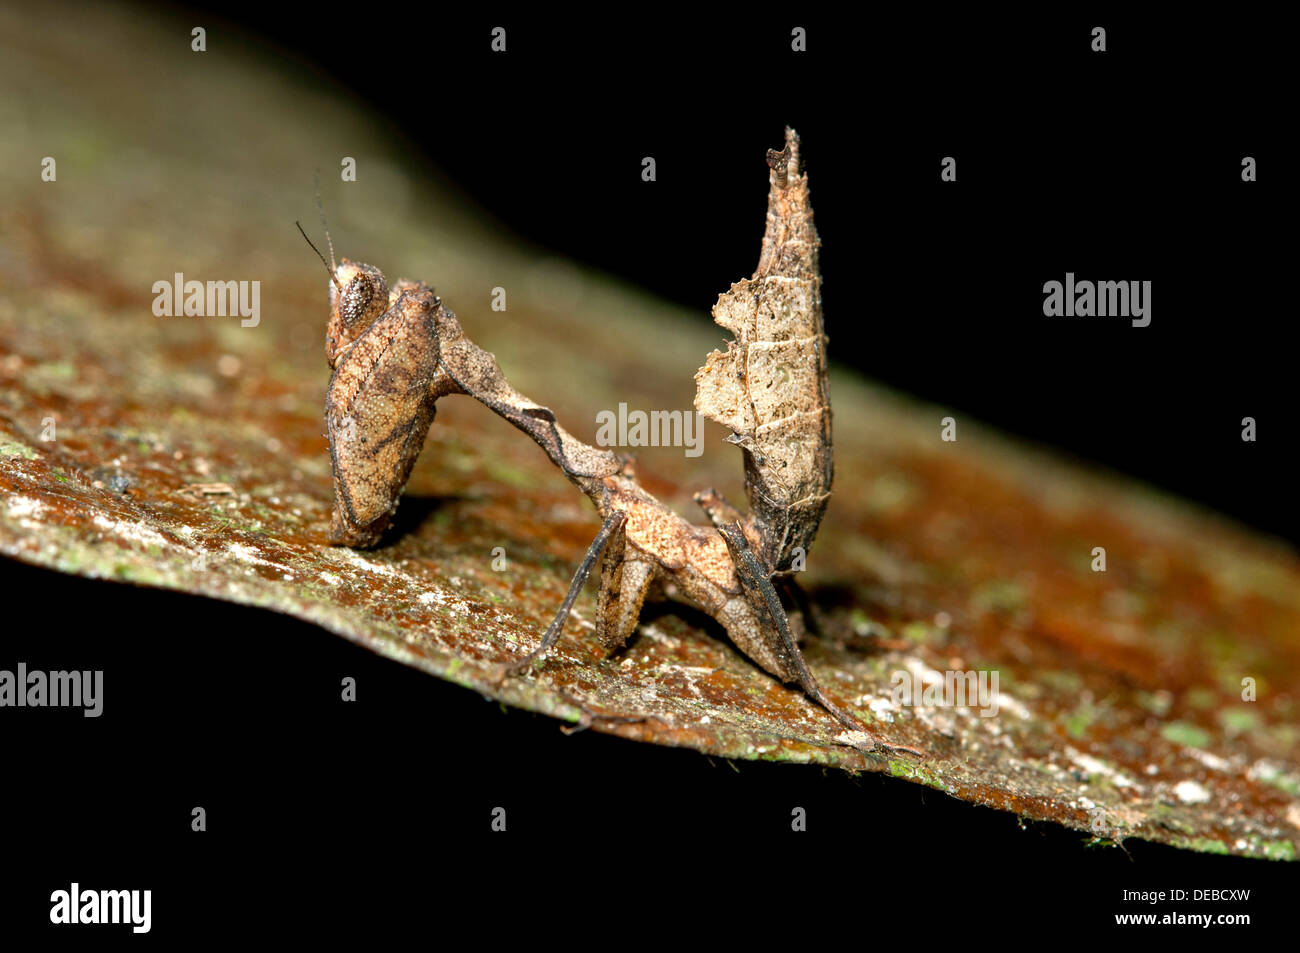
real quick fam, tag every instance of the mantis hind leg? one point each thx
(762, 595)
(613, 524)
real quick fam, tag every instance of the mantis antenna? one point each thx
(333, 278)
(315, 178)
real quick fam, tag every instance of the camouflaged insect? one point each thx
(396, 351)
(769, 387)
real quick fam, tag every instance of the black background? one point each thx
(1123, 165)
(1117, 166)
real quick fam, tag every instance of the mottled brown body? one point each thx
(396, 352)
(769, 387)
(378, 410)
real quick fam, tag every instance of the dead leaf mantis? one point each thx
(395, 351)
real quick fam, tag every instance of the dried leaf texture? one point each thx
(769, 386)
(379, 407)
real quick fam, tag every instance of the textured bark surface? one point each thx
(189, 453)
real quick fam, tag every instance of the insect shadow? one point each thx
(415, 511)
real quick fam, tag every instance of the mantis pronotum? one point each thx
(395, 351)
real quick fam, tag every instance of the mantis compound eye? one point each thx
(362, 301)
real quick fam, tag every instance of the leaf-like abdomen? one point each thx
(769, 386)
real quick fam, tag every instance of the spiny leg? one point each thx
(612, 522)
(758, 585)
(800, 598)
